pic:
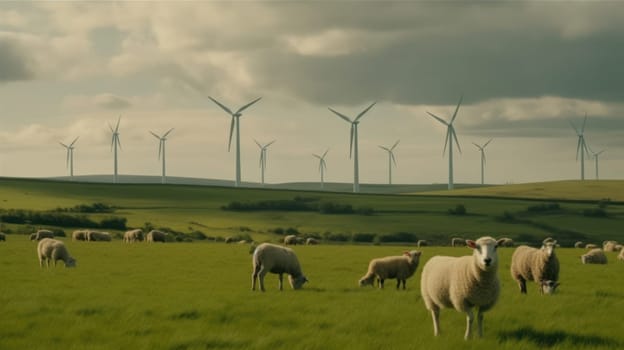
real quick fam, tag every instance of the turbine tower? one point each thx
(235, 124)
(450, 136)
(322, 167)
(161, 152)
(70, 156)
(482, 150)
(391, 160)
(114, 143)
(263, 157)
(353, 145)
(596, 154)
(581, 147)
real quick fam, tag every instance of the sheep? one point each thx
(462, 283)
(229, 240)
(618, 247)
(578, 244)
(41, 234)
(311, 241)
(591, 246)
(50, 249)
(2, 236)
(621, 255)
(79, 235)
(548, 239)
(457, 242)
(400, 267)
(273, 258)
(97, 236)
(506, 242)
(132, 236)
(594, 256)
(609, 246)
(422, 243)
(156, 236)
(539, 265)
(290, 240)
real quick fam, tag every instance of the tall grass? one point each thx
(197, 296)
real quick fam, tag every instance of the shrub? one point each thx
(543, 207)
(365, 211)
(292, 231)
(198, 235)
(595, 213)
(398, 237)
(335, 208)
(364, 237)
(460, 209)
(336, 237)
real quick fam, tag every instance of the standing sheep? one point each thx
(462, 283)
(539, 265)
(594, 256)
(50, 249)
(312, 241)
(609, 246)
(156, 236)
(578, 244)
(458, 242)
(132, 236)
(79, 235)
(400, 267)
(97, 236)
(41, 234)
(290, 240)
(621, 255)
(276, 259)
(422, 243)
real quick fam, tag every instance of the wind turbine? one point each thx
(161, 151)
(391, 160)
(235, 124)
(70, 156)
(353, 145)
(596, 154)
(482, 150)
(450, 135)
(322, 167)
(114, 143)
(581, 147)
(263, 157)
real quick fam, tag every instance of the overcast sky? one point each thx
(526, 70)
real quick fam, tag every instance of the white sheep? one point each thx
(41, 234)
(422, 243)
(578, 244)
(97, 236)
(539, 265)
(609, 246)
(621, 255)
(400, 267)
(458, 242)
(594, 256)
(311, 241)
(462, 283)
(156, 236)
(79, 235)
(132, 236)
(276, 259)
(290, 240)
(591, 246)
(50, 249)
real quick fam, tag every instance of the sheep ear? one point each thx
(500, 242)
(470, 243)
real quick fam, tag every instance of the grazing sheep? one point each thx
(591, 246)
(156, 236)
(132, 236)
(276, 259)
(422, 243)
(290, 240)
(41, 234)
(50, 249)
(311, 241)
(578, 244)
(230, 240)
(79, 235)
(621, 255)
(462, 283)
(539, 265)
(609, 246)
(506, 242)
(2, 236)
(458, 242)
(400, 267)
(594, 256)
(97, 236)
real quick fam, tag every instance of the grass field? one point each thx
(197, 296)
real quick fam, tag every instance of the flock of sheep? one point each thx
(467, 283)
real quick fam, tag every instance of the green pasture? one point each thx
(197, 296)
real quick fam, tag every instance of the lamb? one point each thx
(578, 244)
(311, 241)
(276, 259)
(97, 236)
(79, 235)
(290, 240)
(422, 243)
(457, 242)
(400, 267)
(132, 236)
(532, 264)
(594, 256)
(156, 236)
(462, 283)
(50, 249)
(41, 234)
(609, 246)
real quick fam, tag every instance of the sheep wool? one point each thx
(400, 267)
(594, 256)
(290, 240)
(49, 249)
(79, 235)
(41, 234)
(609, 246)
(132, 236)
(621, 255)
(462, 283)
(539, 265)
(279, 260)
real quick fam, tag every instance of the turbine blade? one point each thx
(231, 132)
(438, 118)
(68, 155)
(227, 110)
(351, 141)
(269, 144)
(574, 127)
(578, 147)
(317, 156)
(160, 147)
(258, 143)
(455, 137)
(487, 143)
(247, 105)
(76, 139)
(446, 140)
(395, 144)
(117, 126)
(479, 147)
(364, 111)
(584, 121)
(261, 158)
(156, 136)
(341, 115)
(118, 141)
(111, 128)
(393, 159)
(113, 141)
(384, 148)
(457, 109)
(167, 133)
(64, 145)
(324, 154)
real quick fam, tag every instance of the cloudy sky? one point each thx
(526, 70)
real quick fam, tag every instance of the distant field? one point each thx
(558, 190)
(197, 296)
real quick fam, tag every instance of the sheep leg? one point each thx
(261, 275)
(381, 283)
(469, 320)
(281, 280)
(435, 314)
(254, 277)
(398, 283)
(522, 284)
(480, 323)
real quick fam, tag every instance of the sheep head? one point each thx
(484, 252)
(297, 282)
(548, 286)
(549, 247)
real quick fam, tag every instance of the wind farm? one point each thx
(70, 156)
(450, 136)
(161, 152)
